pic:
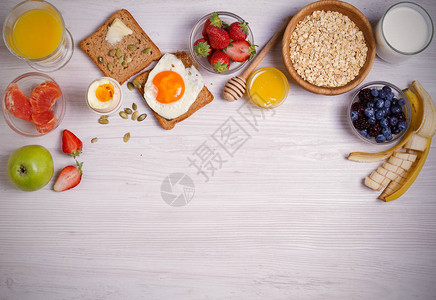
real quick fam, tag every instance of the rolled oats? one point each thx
(327, 49)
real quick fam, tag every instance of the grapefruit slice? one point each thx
(42, 118)
(17, 103)
(44, 121)
(44, 96)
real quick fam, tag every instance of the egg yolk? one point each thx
(105, 92)
(169, 86)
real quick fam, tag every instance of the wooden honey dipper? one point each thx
(236, 86)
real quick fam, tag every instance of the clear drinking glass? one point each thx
(404, 30)
(45, 48)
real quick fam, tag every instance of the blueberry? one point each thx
(382, 94)
(369, 112)
(401, 101)
(388, 137)
(364, 132)
(374, 93)
(395, 109)
(372, 121)
(383, 122)
(394, 101)
(386, 131)
(380, 138)
(387, 89)
(370, 104)
(395, 130)
(401, 125)
(394, 121)
(354, 115)
(389, 96)
(379, 103)
(387, 103)
(379, 114)
(385, 111)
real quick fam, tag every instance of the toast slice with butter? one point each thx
(136, 52)
(203, 98)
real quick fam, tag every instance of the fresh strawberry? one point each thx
(220, 61)
(240, 50)
(209, 57)
(71, 144)
(218, 37)
(238, 31)
(202, 47)
(68, 178)
(214, 20)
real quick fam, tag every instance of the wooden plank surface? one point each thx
(286, 216)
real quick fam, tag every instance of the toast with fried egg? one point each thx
(204, 97)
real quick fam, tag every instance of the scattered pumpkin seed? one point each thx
(130, 86)
(126, 137)
(134, 106)
(128, 111)
(110, 67)
(146, 51)
(120, 60)
(94, 140)
(112, 52)
(142, 117)
(135, 115)
(123, 114)
(100, 59)
(132, 47)
(104, 117)
(103, 121)
(118, 53)
(136, 83)
(127, 59)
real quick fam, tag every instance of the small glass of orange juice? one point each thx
(34, 31)
(267, 87)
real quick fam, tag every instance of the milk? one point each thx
(404, 30)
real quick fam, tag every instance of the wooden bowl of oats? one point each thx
(328, 47)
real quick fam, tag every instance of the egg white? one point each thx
(193, 85)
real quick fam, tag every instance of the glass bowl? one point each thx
(397, 94)
(27, 82)
(196, 34)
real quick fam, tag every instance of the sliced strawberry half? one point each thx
(240, 51)
(69, 177)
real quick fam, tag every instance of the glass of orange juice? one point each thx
(35, 31)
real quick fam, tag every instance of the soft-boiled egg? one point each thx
(104, 95)
(171, 88)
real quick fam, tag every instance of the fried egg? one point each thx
(171, 88)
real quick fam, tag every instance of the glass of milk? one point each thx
(404, 30)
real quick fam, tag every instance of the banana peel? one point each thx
(413, 174)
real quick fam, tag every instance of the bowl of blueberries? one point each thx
(379, 113)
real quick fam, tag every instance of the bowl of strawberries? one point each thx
(222, 42)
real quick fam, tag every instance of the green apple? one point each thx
(30, 167)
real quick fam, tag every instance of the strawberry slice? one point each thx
(240, 51)
(69, 177)
(214, 20)
(71, 144)
(220, 61)
(202, 48)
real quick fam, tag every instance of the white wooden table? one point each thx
(285, 216)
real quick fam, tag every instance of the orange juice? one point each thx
(37, 33)
(267, 87)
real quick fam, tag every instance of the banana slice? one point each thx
(382, 170)
(372, 184)
(406, 165)
(390, 167)
(395, 161)
(377, 177)
(412, 157)
(416, 142)
(401, 155)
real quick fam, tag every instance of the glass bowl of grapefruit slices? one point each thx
(33, 104)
